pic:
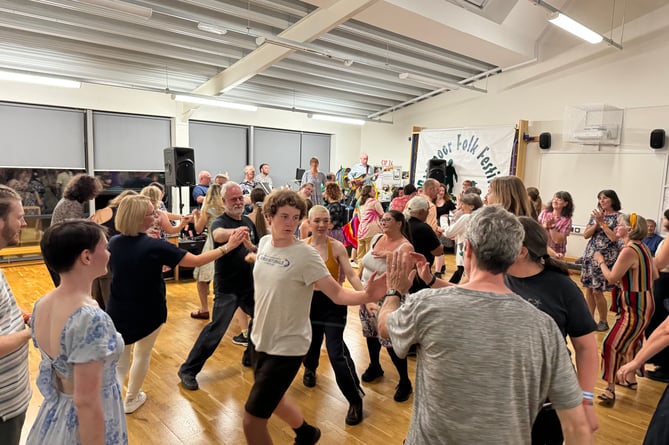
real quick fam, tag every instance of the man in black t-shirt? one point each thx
(424, 239)
(233, 282)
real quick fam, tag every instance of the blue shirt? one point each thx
(200, 190)
(652, 242)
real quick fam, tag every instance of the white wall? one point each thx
(633, 79)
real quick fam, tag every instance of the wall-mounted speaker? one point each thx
(179, 166)
(545, 141)
(657, 138)
(436, 169)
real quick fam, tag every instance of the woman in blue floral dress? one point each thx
(601, 236)
(78, 343)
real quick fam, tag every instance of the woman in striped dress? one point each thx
(635, 272)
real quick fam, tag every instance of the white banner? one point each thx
(477, 154)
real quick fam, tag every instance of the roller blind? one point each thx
(219, 148)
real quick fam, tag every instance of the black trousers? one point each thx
(329, 319)
(10, 430)
(547, 429)
(660, 295)
(658, 428)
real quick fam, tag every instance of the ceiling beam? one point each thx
(307, 29)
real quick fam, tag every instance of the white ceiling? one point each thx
(448, 40)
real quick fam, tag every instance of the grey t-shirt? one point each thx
(486, 363)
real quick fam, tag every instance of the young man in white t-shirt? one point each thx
(281, 332)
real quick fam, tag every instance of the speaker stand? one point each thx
(180, 199)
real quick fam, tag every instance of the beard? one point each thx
(9, 237)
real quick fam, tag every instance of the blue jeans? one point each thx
(225, 306)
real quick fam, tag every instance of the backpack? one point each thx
(338, 215)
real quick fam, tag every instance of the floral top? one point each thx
(591, 274)
(561, 224)
(88, 336)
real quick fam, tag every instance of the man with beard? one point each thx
(233, 282)
(14, 375)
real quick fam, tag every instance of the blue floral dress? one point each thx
(88, 335)
(591, 274)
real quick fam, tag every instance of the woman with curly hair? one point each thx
(81, 189)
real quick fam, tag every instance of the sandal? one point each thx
(630, 385)
(607, 398)
(200, 315)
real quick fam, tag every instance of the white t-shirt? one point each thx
(284, 280)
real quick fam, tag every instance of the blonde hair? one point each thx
(638, 226)
(213, 200)
(154, 194)
(318, 209)
(512, 195)
(117, 200)
(130, 215)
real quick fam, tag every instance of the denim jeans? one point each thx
(225, 306)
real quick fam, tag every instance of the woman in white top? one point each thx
(395, 237)
(468, 203)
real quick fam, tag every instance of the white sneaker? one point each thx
(354, 264)
(132, 405)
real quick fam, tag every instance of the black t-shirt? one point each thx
(448, 206)
(424, 242)
(558, 296)
(233, 275)
(137, 302)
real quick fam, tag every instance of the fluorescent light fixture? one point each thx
(572, 26)
(429, 81)
(212, 102)
(304, 47)
(141, 12)
(40, 80)
(202, 26)
(340, 119)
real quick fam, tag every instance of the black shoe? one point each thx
(241, 339)
(354, 414)
(412, 351)
(403, 391)
(309, 378)
(246, 360)
(659, 375)
(372, 373)
(308, 437)
(188, 381)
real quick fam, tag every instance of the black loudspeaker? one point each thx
(179, 166)
(436, 169)
(545, 140)
(657, 138)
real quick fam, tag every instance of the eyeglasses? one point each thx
(385, 220)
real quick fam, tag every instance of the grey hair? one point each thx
(496, 237)
(228, 185)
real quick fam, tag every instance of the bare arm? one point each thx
(657, 341)
(376, 289)
(399, 275)
(575, 427)
(661, 259)
(201, 219)
(625, 261)
(339, 252)
(587, 366)
(190, 260)
(590, 230)
(87, 399)
(11, 342)
(222, 235)
(167, 227)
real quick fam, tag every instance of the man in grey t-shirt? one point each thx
(487, 359)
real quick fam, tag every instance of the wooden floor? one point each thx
(213, 415)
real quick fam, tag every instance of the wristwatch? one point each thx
(395, 292)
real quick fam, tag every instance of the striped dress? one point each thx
(636, 309)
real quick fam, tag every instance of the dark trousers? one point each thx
(658, 428)
(10, 430)
(661, 297)
(329, 319)
(225, 306)
(457, 275)
(547, 429)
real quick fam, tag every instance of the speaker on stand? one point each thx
(436, 169)
(179, 176)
